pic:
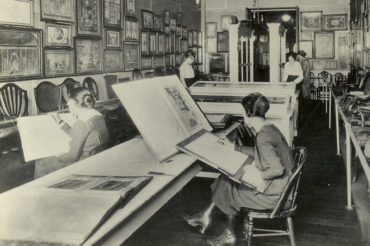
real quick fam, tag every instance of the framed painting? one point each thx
(112, 13)
(211, 29)
(144, 42)
(184, 45)
(311, 21)
(330, 64)
(88, 18)
(146, 62)
(131, 8)
(172, 24)
(167, 29)
(58, 10)
(157, 22)
(113, 39)
(178, 31)
(58, 35)
(132, 31)
(88, 56)
(152, 43)
(161, 44)
(147, 18)
(58, 62)
(190, 38)
(335, 22)
(306, 35)
(20, 53)
(179, 18)
(112, 61)
(167, 44)
(131, 56)
(324, 45)
(184, 32)
(211, 44)
(8, 17)
(223, 41)
(166, 17)
(195, 38)
(159, 61)
(225, 22)
(306, 46)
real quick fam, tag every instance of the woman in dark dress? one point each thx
(273, 157)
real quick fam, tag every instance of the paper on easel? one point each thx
(42, 137)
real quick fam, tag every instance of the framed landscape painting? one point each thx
(113, 39)
(157, 22)
(88, 56)
(131, 8)
(311, 21)
(147, 19)
(335, 22)
(131, 56)
(112, 13)
(58, 35)
(88, 18)
(8, 17)
(324, 45)
(112, 61)
(132, 32)
(58, 62)
(58, 10)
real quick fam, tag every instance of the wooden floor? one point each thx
(321, 218)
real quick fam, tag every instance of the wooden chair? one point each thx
(90, 84)
(314, 89)
(136, 74)
(49, 97)
(325, 83)
(284, 209)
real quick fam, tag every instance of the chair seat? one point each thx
(266, 213)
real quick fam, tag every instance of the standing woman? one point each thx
(292, 70)
(187, 75)
(306, 69)
(273, 157)
(88, 133)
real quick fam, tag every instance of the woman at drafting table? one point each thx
(88, 134)
(273, 157)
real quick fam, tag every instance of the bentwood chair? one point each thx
(325, 83)
(90, 84)
(136, 74)
(284, 209)
(314, 87)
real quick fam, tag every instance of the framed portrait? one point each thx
(8, 17)
(58, 35)
(330, 64)
(146, 62)
(200, 38)
(132, 31)
(152, 42)
(144, 42)
(147, 18)
(306, 35)
(179, 18)
(223, 41)
(172, 24)
(166, 17)
(159, 61)
(306, 45)
(58, 10)
(88, 56)
(131, 8)
(335, 22)
(211, 44)
(161, 44)
(211, 29)
(311, 21)
(167, 29)
(58, 62)
(112, 61)
(195, 38)
(167, 42)
(131, 56)
(112, 13)
(190, 38)
(20, 53)
(184, 45)
(184, 32)
(225, 22)
(113, 39)
(157, 22)
(324, 45)
(88, 18)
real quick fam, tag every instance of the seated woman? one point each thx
(273, 157)
(88, 133)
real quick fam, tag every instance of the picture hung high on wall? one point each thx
(161, 44)
(167, 44)
(335, 22)
(112, 13)
(8, 17)
(131, 56)
(88, 17)
(112, 61)
(146, 62)
(131, 8)
(324, 45)
(58, 62)
(144, 42)
(58, 10)
(147, 18)
(166, 17)
(88, 56)
(152, 42)
(20, 54)
(58, 35)
(211, 29)
(311, 21)
(157, 22)
(113, 39)
(179, 18)
(132, 31)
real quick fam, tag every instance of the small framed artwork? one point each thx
(88, 56)
(146, 62)
(132, 31)
(335, 22)
(144, 42)
(200, 38)
(25, 19)
(167, 29)
(211, 45)
(311, 21)
(184, 32)
(167, 44)
(58, 62)
(306, 35)
(58, 35)
(157, 22)
(179, 18)
(161, 44)
(225, 22)
(131, 8)
(152, 42)
(306, 46)
(223, 41)
(178, 31)
(190, 38)
(113, 39)
(330, 64)
(112, 61)
(147, 18)
(166, 17)
(172, 24)
(317, 65)
(88, 18)
(131, 55)
(58, 10)
(112, 13)
(195, 38)
(184, 45)
(211, 29)
(324, 45)
(159, 61)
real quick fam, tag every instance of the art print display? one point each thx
(324, 45)
(211, 29)
(8, 17)
(179, 18)
(58, 35)
(173, 24)
(58, 62)
(20, 53)
(112, 13)
(112, 61)
(311, 21)
(190, 38)
(223, 41)
(144, 42)
(131, 56)
(335, 22)
(147, 19)
(306, 46)
(158, 61)
(146, 62)
(131, 8)
(225, 22)
(88, 17)
(166, 17)
(161, 44)
(157, 22)
(152, 42)
(59, 10)
(88, 56)
(132, 31)
(113, 39)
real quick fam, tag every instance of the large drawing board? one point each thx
(163, 111)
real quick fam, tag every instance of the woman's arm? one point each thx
(299, 73)
(285, 75)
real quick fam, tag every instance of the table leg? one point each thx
(348, 168)
(337, 126)
(326, 99)
(329, 109)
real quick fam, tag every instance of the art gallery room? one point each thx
(184, 122)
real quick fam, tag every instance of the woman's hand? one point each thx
(56, 117)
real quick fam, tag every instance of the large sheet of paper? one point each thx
(163, 111)
(42, 137)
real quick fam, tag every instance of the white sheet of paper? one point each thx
(42, 137)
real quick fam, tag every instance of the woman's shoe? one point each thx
(227, 238)
(199, 221)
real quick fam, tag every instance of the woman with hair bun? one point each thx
(88, 133)
(273, 157)
(187, 75)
